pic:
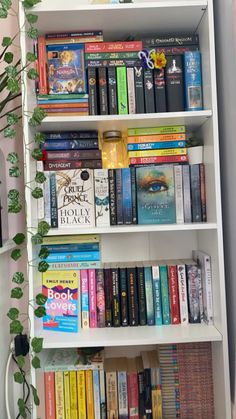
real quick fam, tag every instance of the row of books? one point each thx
(156, 293)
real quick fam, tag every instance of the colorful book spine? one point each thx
(112, 196)
(160, 90)
(101, 47)
(73, 395)
(40, 201)
(131, 90)
(53, 201)
(101, 191)
(173, 294)
(66, 375)
(163, 152)
(112, 91)
(157, 295)
(179, 202)
(84, 299)
(183, 296)
(103, 97)
(73, 257)
(81, 389)
(80, 239)
(92, 89)
(111, 392)
(203, 191)
(126, 196)
(102, 394)
(43, 85)
(122, 91)
(132, 297)
(59, 395)
(108, 297)
(139, 89)
(123, 297)
(174, 83)
(100, 298)
(141, 296)
(149, 295)
(47, 198)
(195, 193)
(149, 91)
(115, 297)
(157, 160)
(133, 195)
(71, 247)
(75, 164)
(110, 55)
(122, 394)
(125, 62)
(92, 299)
(155, 138)
(62, 35)
(89, 394)
(193, 80)
(70, 145)
(68, 266)
(96, 395)
(119, 197)
(168, 129)
(49, 385)
(156, 145)
(193, 293)
(187, 194)
(132, 383)
(164, 295)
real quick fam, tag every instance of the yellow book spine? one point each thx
(156, 404)
(162, 152)
(85, 238)
(81, 395)
(73, 396)
(156, 138)
(67, 394)
(89, 394)
(59, 395)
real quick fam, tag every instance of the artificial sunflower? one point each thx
(158, 59)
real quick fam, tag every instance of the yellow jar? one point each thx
(114, 154)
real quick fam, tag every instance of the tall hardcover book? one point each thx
(101, 191)
(92, 91)
(195, 193)
(119, 197)
(49, 385)
(122, 96)
(148, 393)
(149, 295)
(174, 83)
(173, 294)
(92, 299)
(183, 295)
(203, 191)
(75, 198)
(141, 296)
(126, 196)
(155, 195)
(102, 91)
(100, 298)
(132, 296)
(108, 297)
(112, 91)
(149, 91)
(139, 89)
(53, 201)
(115, 297)
(193, 81)
(133, 195)
(131, 90)
(156, 283)
(187, 194)
(123, 297)
(164, 294)
(61, 290)
(141, 392)
(112, 196)
(160, 90)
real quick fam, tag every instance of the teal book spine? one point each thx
(53, 201)
(149, 295)
(157, 295)
(164, 295)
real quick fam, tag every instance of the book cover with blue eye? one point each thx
(66, 70)
(155, 195)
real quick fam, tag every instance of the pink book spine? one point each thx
(92, 299)
(84, 299)
(50, 407)
(132, 380)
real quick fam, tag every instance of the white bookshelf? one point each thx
(143, 243)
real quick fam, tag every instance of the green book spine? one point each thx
(164, 295)
(172, 129)
(122, 91)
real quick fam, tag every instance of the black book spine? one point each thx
(149, 91)
(53, 197)
(115, 297)
(1, 241)
(119, 209)
(112, 93)
(141, 296)
(141, 394)
(160, 90)
(133, 195)
(92, 90)
(112, 196)
(164, 41)
(108, 297)
(139, 89)
(123, 297)
(174, 83)
(195, 193)
(132, 296)
(148, 393)
(102, 82)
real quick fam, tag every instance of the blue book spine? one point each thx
(70, 247)
(96, 394)
(70, 145)
(126, 196)
(59, 101)
(164, 295)
(193, 81)
(119, 211)
(156, 145)
(122, 394)
(72, 257)
(157, 295)
(53, 199)
(149, 295)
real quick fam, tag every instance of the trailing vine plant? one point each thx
(12, 75)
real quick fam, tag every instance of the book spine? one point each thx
(81, 394)
(126, 196)
(195, 193)
(108, 297)
(69, 145)
(156, 153)
(68, 266)
(101, 192)
(131, 90)
(193, 294)
(141, 296)
(47, 198)
(123, 297)
(207, 283)
(102, 394)
(122, 394)
(157, 295)
(73, 395)
(200, 296)
(156, 145)
(72, 34)
(79, 247)
(68, 165)
(160, 90)
(115, 297)
(92, 89)
(139, 89)
(73, 257)
(53, 201)
(43, 88)
(113, 47)
(183, 296)
(149, 91)
(111, 55)
(133, 195)
(149, 295)
(173, 294)
(71, 135)
(158, 159)
(96, 394)
(112, 91)
(92, 299)
(187, 194)
(72, 155)
(174, 83)
(155, 138)
(49, 385)
(119, 209)
(171, 40)
(179, 202)
(102, 83)
(132, 297)
(203, 191)
(40, 201)
(89, 394)
(124, 62)
(74, 40)
(141, 395)
(193, 81)
(59, 395)
(112, 196)
(67, 393)
(148, 393)
(164, 295)
(167, 129)
(132, 382)
(100, 298)
(84, 299)
(122, 99)
(111, 392)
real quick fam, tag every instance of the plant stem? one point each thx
(12, 110)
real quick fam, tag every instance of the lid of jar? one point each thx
(110, 135)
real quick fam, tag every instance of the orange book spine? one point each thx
(155, 138)
(49, 385)
(158, 159)
(67, 113)
(63, 105)
(89, 394)
(43, 89)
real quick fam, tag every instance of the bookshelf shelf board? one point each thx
(7, 246)
(126, 336)
(192, 120)
(124, 19)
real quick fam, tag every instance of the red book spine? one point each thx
(113, 46)
(68, 110)
(50, 407)
(158, 159)
(173, 294)
(75, 164)
(64, 105)
(92, 299)
(43, 88)
(132, 383)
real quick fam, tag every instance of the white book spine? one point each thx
(179, 203)
(96, 395)
(122, 394)
(101, 191)
(207, 282)
(131, 90)
(47, 201)
(183, 296)
(186, 194)
(40, 201)
(200, 296)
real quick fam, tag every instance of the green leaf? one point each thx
(6, 4)
(31, 57)
(43, 228)
(37, 154)
(38, 115)
(39, 138)
(37, 239)
(6, 41)
(32, 74)
(43, 266)
(44, 252)
(14, 207)
(32, 33)
(36, 362)
(11, 71)
(40, 312)
(8, 57)
(40, 177)
(12, 118)
(37, 345)
(18, 278)
(35, 395)
(3, 13)
(19, 377)
(16, 293)
(13, 86)
(22, 408)
(16, 327)
(27, 4)
(19, 238)
(14, 171)
(20, 361)
(13, 158)
(13, 313)
(13, 195)
(9, 132)
(40, 299)
(37, 193)
(16, 254)
(31, 18)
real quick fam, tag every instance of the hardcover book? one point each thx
(160, 90)
(122, 91)
(100, 298)
(112, 90)
(149, 91)
(174, 83)
(102, 89)
(92, 89)
(126, 196)
(155, 195)
(193, 80)
(101, 190)
(149, 295)
(139, 89)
